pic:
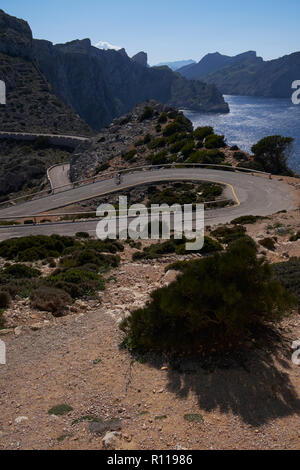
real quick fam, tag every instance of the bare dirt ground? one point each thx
(76, 360)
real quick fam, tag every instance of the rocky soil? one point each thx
(113, 141)
(124, 402)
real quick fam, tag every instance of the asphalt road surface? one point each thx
(256, 195)
(59, 177)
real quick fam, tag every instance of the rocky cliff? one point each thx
(247, 74)
(141, 58)
(101, 85)
(31, 105)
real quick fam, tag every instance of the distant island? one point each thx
(246, 74)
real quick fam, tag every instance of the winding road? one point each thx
(59, 177)
(252, 194)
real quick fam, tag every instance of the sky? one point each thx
(168, 29)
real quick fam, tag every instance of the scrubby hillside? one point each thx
(152, 134)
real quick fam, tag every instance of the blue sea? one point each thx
(250, 119)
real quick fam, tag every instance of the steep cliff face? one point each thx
(101, 85)
(247, 74)
(31, 106)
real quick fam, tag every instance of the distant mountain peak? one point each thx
(141, 58)
(214, 62)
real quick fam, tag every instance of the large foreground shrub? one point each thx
(216, 301)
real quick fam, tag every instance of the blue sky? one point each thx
(168, 29)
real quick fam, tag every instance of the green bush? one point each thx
(20, 287)
(147, 138)
(217, 301)
(268, 243)
(77, 282)
(60, 410)
(102, 167)
(271, 154)
(20, 271)
(240, 156)
(201, 132)
(295, 237)
(148, 113)
(214, 141)
(289, 274)
(82, 235)
(157, 143)
(187, 149)
(207, 156)
(74, 276)
(228, 234)
(170, 196)
(5, 299)
(246, 219)
(34, 248)
(158, 158)
(156, 250)
(178, 136)
(129, 156)
(210, 246)
(177, 146)
(211, 191)
(163, 118)
(173, 128)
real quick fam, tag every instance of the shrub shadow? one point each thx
(255, 386)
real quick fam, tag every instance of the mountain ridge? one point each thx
(176, 64)
(247, 74)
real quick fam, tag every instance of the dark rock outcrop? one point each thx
(141, 58)
(247, 74)
(16, 37)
